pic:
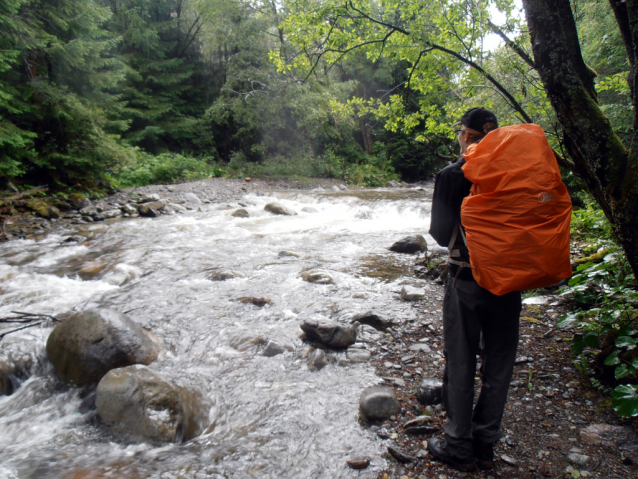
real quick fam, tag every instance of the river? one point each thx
(268, 417)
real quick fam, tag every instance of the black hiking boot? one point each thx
(483, 454)
(438, 447)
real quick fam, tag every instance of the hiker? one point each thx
(474, 321)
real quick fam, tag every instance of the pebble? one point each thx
(578, 459)
(358, 462)
(509, 460)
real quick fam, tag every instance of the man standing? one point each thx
(471, 315)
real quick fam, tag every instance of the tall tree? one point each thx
(600, 158)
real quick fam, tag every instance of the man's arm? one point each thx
(450, 188)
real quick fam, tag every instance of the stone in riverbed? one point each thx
(400, 456)
(358, 462)
(192, 199)
(578, 459)
(358, 355)
(272, 349)
(151, 209)
(148, 198)
(412, 294)
(317, 360)
(223, 275)
(308, 209)
(240, 213)
(277, 209)
(78, 201)
(257, 301)
(373, 319)
(410, 245)
(90, 343)
(128, 209)
(317, 277)
(136, 401)
(429, 392)
(378, 403)
(283, 254)
(330, 333)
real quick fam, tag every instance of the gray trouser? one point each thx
(468, 311)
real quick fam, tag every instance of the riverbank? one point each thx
(27, 224)
(549, 414)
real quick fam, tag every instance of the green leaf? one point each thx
(577, 344)
(612, 359)
(625, 400)
(591, 339)
(623, 370)
(634, 363)
(583, 266)
(626, 342)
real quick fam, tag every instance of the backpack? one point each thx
(517, 216)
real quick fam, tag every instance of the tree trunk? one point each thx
(601, 160)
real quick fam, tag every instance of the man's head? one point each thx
(474, 125)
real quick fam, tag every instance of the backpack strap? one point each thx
(455, 253)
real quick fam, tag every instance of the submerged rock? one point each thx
(223, 275)
(317, 277)
(429, 392)
(283, 254)
(272, 349)
(358, 462)
(277, 209)
(358, 355)
(410, 245)
(330, 333)
(88, 344)
(317, 360)
(240, 213)
(309, 209)
(261, 302)
(136, 401)
(377, 402)
(151, 209)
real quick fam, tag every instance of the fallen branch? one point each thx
(20, 329)
(32, 191)
(32, 319)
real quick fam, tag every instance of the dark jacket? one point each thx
(450, 188)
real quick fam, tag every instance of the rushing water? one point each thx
(268, 417)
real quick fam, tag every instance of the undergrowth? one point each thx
(604, 299)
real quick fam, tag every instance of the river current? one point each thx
(267, 417)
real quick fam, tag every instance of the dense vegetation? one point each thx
(95, 93)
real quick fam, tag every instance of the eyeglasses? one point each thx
(458, 131)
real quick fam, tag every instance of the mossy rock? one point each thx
(78, 201)
(43, 209)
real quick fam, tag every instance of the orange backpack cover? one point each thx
(517, 216)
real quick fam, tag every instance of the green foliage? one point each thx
(603, 291)
(166, 168)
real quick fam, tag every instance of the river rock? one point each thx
(358, 355)
(616, 437)
(335, 188)
(377, 402)
(308, 209)
(330, 333)
(257, 301)
(358, 462)
(317, 277)
(283, 254)
(317, 360)
(429, 392)
(410, 245)
(192, 199)
(277, 209)
(272, 349)
(409, 293)
(373, 319)
(392, 184)
(224, 275)
(240, 213)
(136, 401)
(112, 213)
(148, 198)
(151, 209)
(78, 201)
(90, 343)
(420, 347)
(400, 456)
(12, 372)
(128, 209)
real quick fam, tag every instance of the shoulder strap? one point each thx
(453, 252)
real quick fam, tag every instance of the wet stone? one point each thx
(410, 245)
(277, 209)
(400, 456)
(272, 349)
(509, 460)
(358, 355)
(317, 360)
(223, 275)
(410, 294)
(330, 333)
(378, 403)
(317, 277)
(373, 319)
(192, 199)
(240, 213)
(620, 437)
(578, 459)
(284, 254)
(358, 462)
(257, 301)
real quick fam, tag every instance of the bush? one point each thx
(166, 168)
(603, 291)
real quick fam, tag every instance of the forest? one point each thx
(100, 94)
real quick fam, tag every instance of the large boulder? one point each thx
(377, 402)
(78, 201)
(277, 209)
(151, 209)
(331, 334)
(410, 245)
(137, 402)
(90, 343)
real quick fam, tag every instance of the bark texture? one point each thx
(608, 168)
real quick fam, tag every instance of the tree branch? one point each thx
(513, 45)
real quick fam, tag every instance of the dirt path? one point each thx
(548, 406)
